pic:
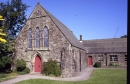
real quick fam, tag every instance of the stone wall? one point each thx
(106, 58)
(59, 48)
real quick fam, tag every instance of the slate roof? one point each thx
(106, 45)
(68, 34)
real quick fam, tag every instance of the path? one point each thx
(83, 75)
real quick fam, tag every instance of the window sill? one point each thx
(114, 61)
(39, 49)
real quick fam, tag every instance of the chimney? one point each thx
(80, 38)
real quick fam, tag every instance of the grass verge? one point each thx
(99, 76)
(4, 77)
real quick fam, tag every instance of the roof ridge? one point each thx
(103, 39)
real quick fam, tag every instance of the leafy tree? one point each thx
(14, 14)
(125, 36)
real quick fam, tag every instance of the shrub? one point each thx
(26, 70)
(117, 65)
(114, 64)
(20, 65)
(5, 63)
(97, 64)
(111, 64)
(51, 68)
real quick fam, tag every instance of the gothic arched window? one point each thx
(37, 37)
(30, 38)
(46, 34)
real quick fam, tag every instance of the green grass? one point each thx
(8, 76)
(99, 76)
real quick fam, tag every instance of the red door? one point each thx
(38, 64)
(90, 61)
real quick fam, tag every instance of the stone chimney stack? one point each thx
(80, 38)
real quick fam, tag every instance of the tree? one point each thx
(125, 36)
(14, 13)
(1, 34)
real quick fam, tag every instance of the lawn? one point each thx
(99, 76)
(7, 76)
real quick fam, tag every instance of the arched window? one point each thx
(30, 38)
(46, 41)
(37, 37)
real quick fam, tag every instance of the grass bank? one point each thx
(99, 76)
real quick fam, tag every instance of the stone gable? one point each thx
(37, 12)
(59, 49)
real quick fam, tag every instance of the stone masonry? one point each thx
(69, 57)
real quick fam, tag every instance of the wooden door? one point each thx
(38, 64)
(90, 63)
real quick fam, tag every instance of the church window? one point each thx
(37, 37)
(30, 38)
(46, 40)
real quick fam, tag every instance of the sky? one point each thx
(93, 19)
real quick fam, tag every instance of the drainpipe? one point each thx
(106, 58)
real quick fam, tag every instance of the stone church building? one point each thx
(43, 37)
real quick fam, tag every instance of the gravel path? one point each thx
(83, 75)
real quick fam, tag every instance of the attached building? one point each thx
(106, 51)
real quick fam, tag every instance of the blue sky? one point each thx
(93, 19)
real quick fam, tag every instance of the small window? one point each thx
(46, 40)
(125, 57)
(73, 51)
(37, 37)
(30, 38)
(100, 58)
(113, 58)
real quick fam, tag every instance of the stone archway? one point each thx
(36, 61)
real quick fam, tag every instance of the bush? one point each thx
(26, 70)
(111, 64)
(97, 64)
(51, 68)
(20, 65)
(117, 65)
(5, 63)
(114, 64)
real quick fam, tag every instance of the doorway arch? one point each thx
(38, 64)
